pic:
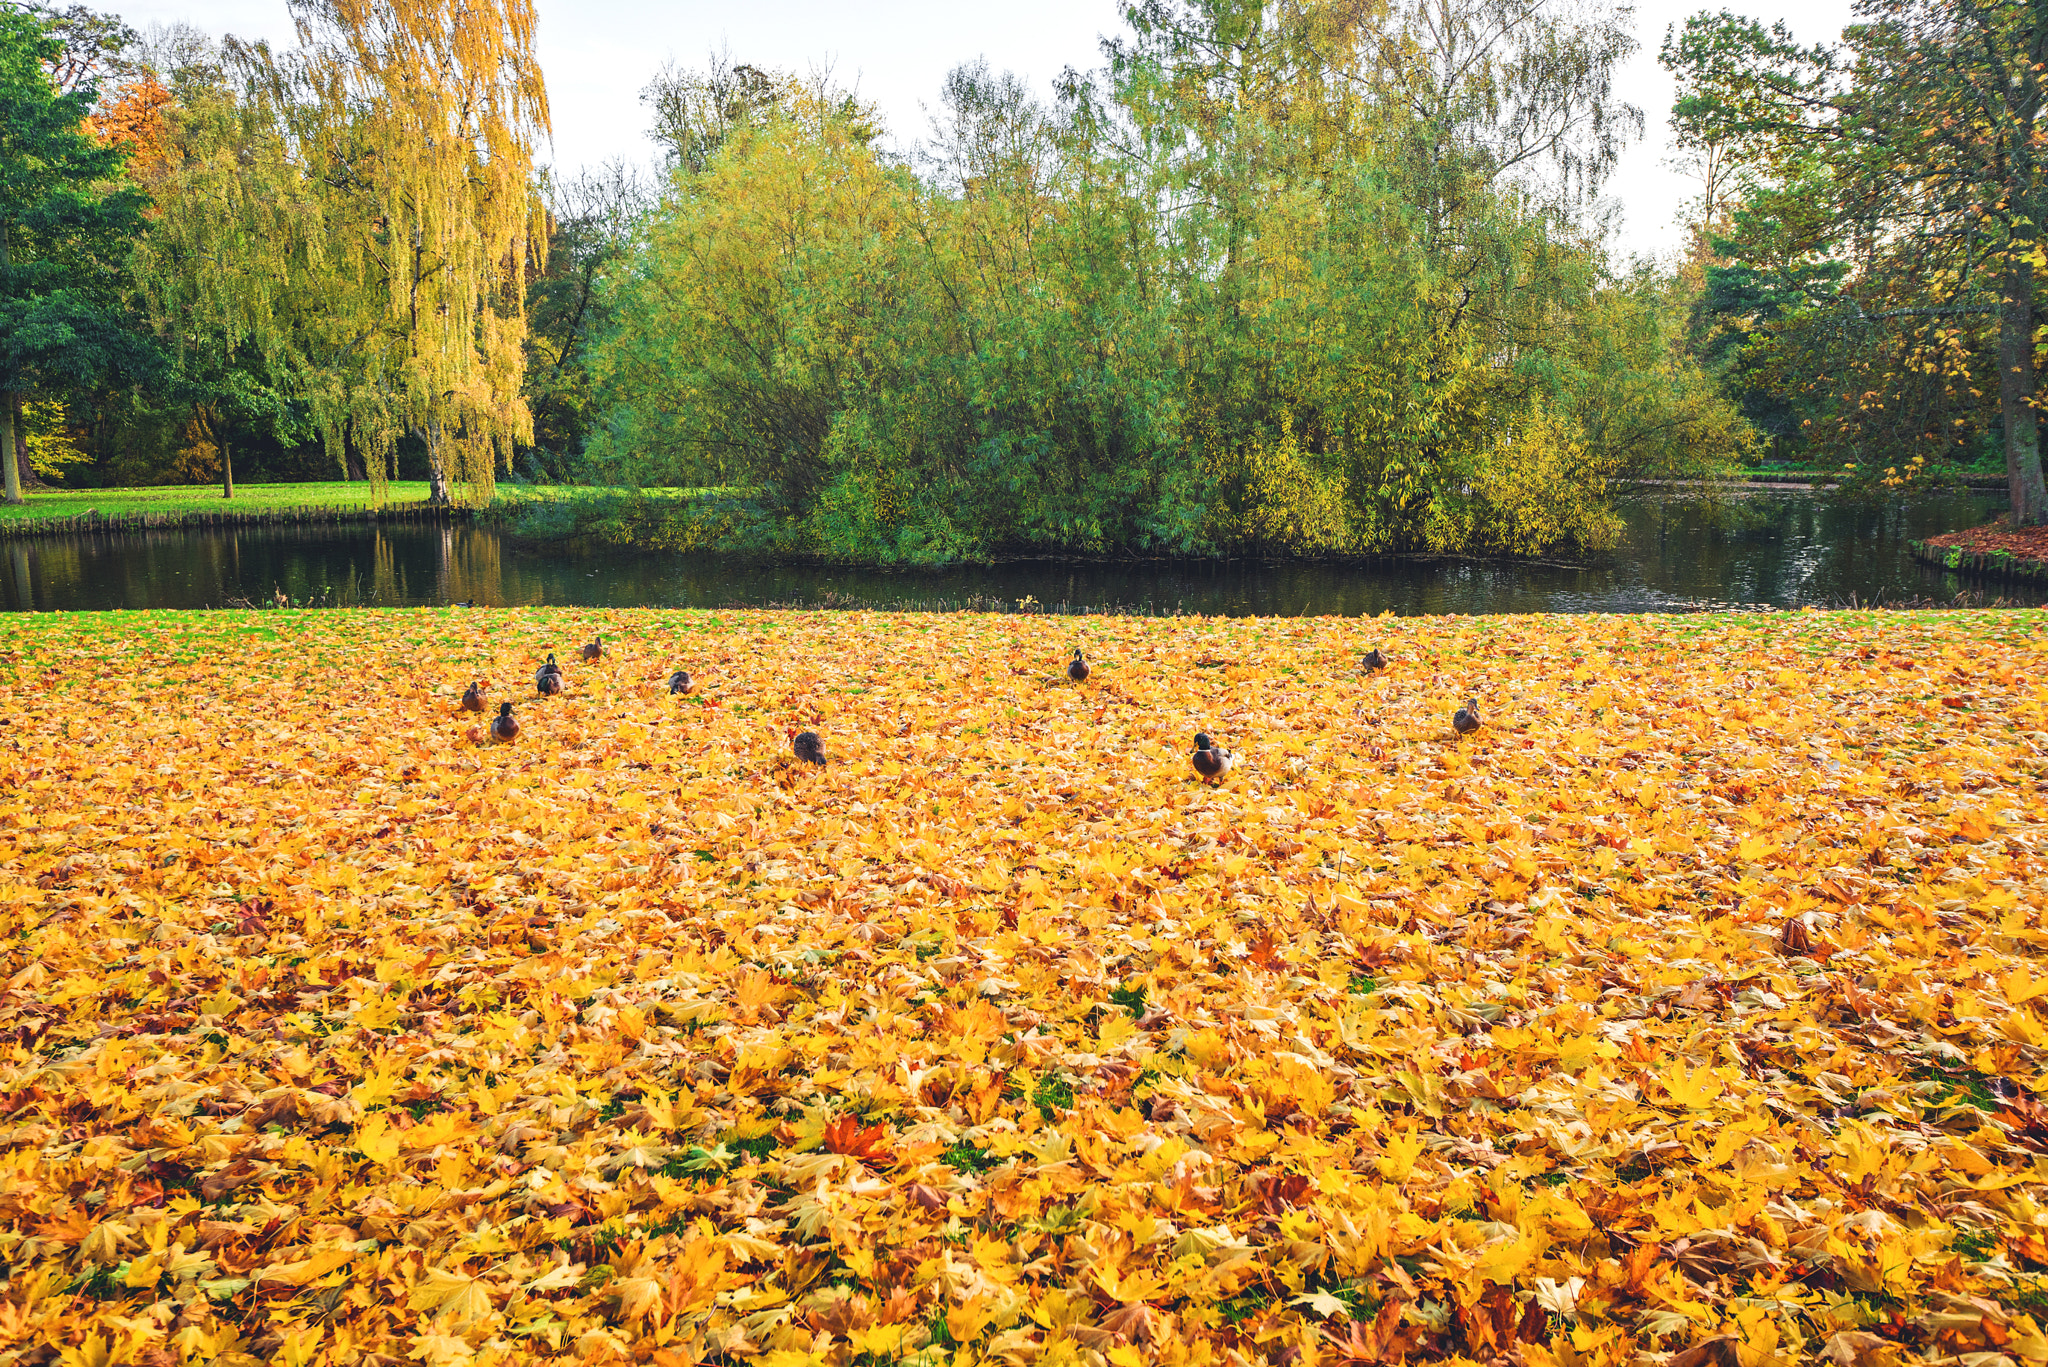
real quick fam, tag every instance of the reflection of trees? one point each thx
(1785, 549)
(469, 567)
(21, 590)
(387, 578)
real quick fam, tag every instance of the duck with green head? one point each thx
(1211, 760)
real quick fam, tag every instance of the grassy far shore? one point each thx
(541, 512)
(205, 498)
(1697, 997)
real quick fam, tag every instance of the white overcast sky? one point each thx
(597, 54)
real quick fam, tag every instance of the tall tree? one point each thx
(1919, 133)
(94, 50)
(232, 268)
(416, 122)
(66, 216)
(590, 226)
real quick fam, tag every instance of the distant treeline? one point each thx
(1297, 277)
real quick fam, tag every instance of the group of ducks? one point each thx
(549, 682)
(1211, 761)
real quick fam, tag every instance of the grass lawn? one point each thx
(1695, 1001)
(205, 498)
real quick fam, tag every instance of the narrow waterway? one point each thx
(1769, 549)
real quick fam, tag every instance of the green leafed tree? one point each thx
(226, 269)
(67, 214)
(1907, 159)
(591, 220)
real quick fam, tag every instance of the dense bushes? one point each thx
(1194, 310)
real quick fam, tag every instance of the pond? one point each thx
(1779, 549)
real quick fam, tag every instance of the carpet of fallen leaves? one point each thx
(2028, 543)
(1693, 1011)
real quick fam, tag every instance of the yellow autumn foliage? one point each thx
(1692, 1005)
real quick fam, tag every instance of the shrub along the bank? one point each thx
(662, 519)
(1177, 314)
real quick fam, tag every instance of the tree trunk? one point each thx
(437, 474)
(27, 470)
(10, 453)
(227, 466)
(2016, 389)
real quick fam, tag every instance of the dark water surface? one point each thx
(1777, 549)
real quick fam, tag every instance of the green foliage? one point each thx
(590, 221)
(47, 435)
(1240, 297)
(1877, 285)
(223, 269)
(66, 214)
(680, 520)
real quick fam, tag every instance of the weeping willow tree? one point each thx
(232, 248)
(413, 122)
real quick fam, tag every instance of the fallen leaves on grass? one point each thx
(1692, 1007)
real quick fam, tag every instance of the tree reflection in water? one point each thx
(1776, 549)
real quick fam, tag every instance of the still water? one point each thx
(1776, 549)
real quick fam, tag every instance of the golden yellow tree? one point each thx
(416, 120)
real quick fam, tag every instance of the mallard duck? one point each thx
(1211, 760)
(593, 649)
(679, 682)
(1374, 661)
(504, 726)
(1078, 669)
(548, 678)
(808, 747)
(473, 700)
(1466, 719)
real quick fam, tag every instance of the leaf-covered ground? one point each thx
(1695, 1006)
(2027, 543)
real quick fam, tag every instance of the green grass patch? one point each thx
(205, 498)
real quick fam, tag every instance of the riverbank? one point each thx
(1994, 550)
(1949, 476)
(1785, 550)
(633, 995)
(682, 520)
(726, 522)
(160, 505)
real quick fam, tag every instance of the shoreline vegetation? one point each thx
(694, 521)
(1321, 282)
(1703, 972)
